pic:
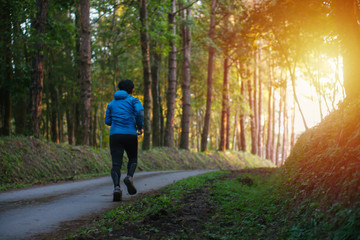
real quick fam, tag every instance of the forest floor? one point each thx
(220, 205)
(239, 204)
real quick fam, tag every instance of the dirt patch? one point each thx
(187, 220)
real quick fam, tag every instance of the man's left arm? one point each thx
(139, 114)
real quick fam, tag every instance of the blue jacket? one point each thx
(125, 114)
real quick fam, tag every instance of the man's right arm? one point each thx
(139, 114)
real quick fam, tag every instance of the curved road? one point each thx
(30, 212)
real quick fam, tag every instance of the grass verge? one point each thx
(243, 204)
(25, 161)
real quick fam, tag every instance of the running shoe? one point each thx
(117, 195)
(130, 185)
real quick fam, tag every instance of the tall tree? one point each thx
(252, 119)
(260, 100)
(37, 75)
(243, 75)
(242, 118)
(269, 139)
(255, 106)
(205, 131)
(225, 104)
(171, 89)
(52, 109)
(144, 38)
(347, 16)
(185, 119)
(269, 143)
(21, 75)
(6, 69)
(278, 144)
(285, 127)
(155, 92)
(85, 73)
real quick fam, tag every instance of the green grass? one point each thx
(25, 161)
(247, 207)
(321, 177)
(168, 199)
(28, 161)
(250, 204)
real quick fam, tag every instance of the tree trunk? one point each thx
(259, 109)
(47, 116)
(292, 76)
(76, 91)
(85, 73)
(54, 127)
(252, 120)
(155, 92)
(277, 154)
(225, 103)
(51, 97)
(6, 70)
(5, 111)
(269, 144)
(206, 126)
(37, 73)
(94, 128)
(70, 128)
(347, 19)
(144, 36)
(285, 127)
(228, 121)
(186, 113)
(235, 133)
(20, 116)
(255, 103)
(171, 90)
(20, 103)
(272, 141)
(242, 118)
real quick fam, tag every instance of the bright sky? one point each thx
(309, 100)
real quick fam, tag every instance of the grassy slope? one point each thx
(25, 161)
(321, 177)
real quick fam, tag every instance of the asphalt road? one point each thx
(30, 212)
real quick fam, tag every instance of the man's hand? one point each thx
(140, 132)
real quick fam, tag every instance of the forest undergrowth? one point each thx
(25, 161)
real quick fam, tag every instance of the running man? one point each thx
(125, 115)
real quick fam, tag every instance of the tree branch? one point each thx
(186, 7)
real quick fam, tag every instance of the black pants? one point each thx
(119, 143)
